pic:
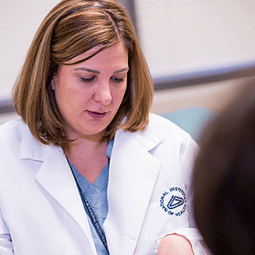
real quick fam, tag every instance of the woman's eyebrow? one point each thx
(98, 72)
(87, 69)
(122, 70)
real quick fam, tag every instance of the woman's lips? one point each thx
(97, 115)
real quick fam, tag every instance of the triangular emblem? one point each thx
(175, 202)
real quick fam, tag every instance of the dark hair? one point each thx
(71, 28)
(224, 178)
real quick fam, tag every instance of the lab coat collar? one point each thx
(55, 177)
(133, 172)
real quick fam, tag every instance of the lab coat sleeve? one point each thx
(6, 247)
(188, 153)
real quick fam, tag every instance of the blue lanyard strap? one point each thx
(92, 215)
(95, 221)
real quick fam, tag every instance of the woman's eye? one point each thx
(117, 80)
(88, 79)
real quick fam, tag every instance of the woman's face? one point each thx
(89, 94)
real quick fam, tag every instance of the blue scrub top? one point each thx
(96, 195)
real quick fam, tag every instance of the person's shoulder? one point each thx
(12, 129)
(12, 125)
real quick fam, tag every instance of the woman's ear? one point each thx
(53, 82)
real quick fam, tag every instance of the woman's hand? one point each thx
(175, 245)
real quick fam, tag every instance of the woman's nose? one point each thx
(103, 93)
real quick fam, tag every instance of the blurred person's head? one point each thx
(224, 178)
(71, 29)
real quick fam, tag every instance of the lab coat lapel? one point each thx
(57, 179)
(132, 176)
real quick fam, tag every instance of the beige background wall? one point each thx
(185, 36)
(212, 96)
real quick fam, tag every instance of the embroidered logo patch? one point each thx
(173, 201)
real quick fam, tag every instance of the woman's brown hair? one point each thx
(70, 29)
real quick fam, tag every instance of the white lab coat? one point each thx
(40, 207)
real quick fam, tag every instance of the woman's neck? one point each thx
(88, 157)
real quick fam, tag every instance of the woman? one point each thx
(224, 177)
(88, 170)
